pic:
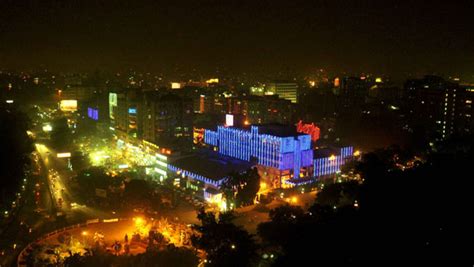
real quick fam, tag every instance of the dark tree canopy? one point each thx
(411, 217)
(16, 147)
(225, 243)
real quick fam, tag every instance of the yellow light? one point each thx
(213, 80)
(84, 233)
(378, 80)
(64, 155)
(294, 199)
(332, 157)
(47, 128)
(138, 221)
(356, 153)
(263, 185)
(312, 83)
(246, 122)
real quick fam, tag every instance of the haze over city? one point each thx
(236, 133)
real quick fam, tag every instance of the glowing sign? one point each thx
(93, 113)
(64, 155)
(9, 101)
(112, 104)
(175, 85)
(47, 128)
(68, 105)
(378, 80)
(229, 120)
(132, 111)
(310, 129)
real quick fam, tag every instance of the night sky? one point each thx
(392, 37)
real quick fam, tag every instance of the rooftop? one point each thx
(211, 165)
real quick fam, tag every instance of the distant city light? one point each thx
(47, 128)
(175, 85)
(213, 80)
(68, 105)
(9, 101)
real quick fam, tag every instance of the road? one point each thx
(59, 183)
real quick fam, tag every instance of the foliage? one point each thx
(16, 146)
(242, 188)
(169, 256)
(410, 216)
(225, 243)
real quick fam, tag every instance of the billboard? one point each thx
(68, 105)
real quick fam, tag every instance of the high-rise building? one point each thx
(263, 109)
(435, 105)
(285, 90)
(167, 119)
(126, 113)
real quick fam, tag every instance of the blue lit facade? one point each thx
(291, 152)
(93, 113)
(332, 164)
(195, 176)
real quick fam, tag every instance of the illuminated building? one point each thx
(206, 170)
(467, 110)
(262, 109)
(167, 118)
(310, 129)
(277, 148)
(285, 90)
(330, 161)
(126, 118)
(436, 106)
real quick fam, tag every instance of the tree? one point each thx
(225, 243)
(16, 148)
(169, 256)
(339, 194)
(250, 186)
(241, 188)
(137, 193)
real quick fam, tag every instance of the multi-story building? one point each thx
(281, 154)
(436, 106)
(263, 109)
(285, 90)
(329, 161)
(167, 119)
(467, 110)
(125, 111)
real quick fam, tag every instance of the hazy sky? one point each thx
(395, 37)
